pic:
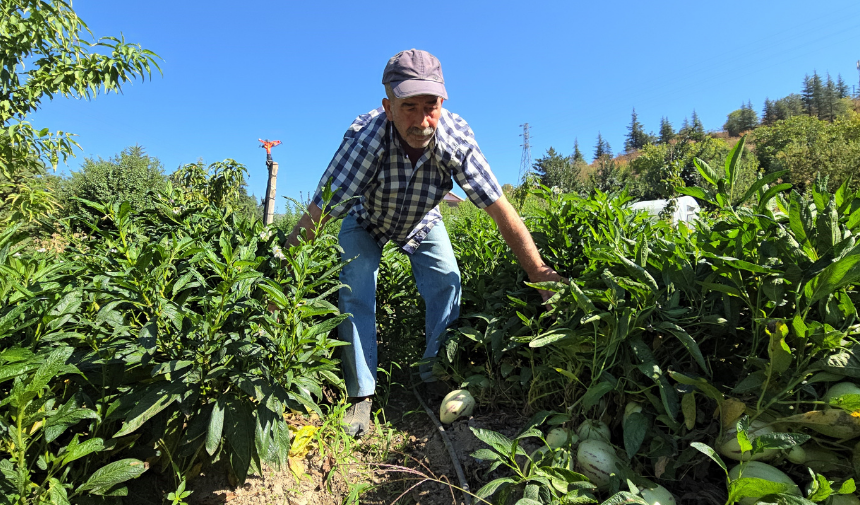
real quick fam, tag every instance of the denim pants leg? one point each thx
(359, 358)
(438, 280)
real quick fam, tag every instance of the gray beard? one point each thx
(420, 132)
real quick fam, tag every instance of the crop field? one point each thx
(159, 344)
(713, 360)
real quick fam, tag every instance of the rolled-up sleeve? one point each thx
(476, 178)
(350, 171)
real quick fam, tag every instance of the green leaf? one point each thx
(709, 452)
(65, 417)
(796, 219)
(758, 184)
(696, 192)
(76, 451)
(707, 172)
(595, 393)
(722, 288)
(158, 398)
(497, 441)
(493, 486)
(847, 487)
(822, 489)
(148, 336)
(635, 428)
(582, 301)
(687, 341)
(639, 273)
(624, 498)
(849, 402)
(780, 440)
(112, 474)
(749, 487)
(487, 454)
(69, 304)
(527, 501)
(216, 426)
(551, 336)
(239, 434)
(778, 351)
(842, 273)
(50, 369)
(845, 363)
(733, 161)
(770, 193)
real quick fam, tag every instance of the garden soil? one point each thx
(415, 470)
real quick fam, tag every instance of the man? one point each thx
(392, 170)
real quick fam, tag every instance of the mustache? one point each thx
(420, 132)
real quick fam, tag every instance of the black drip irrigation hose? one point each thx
(455, 460)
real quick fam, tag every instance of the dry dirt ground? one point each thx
(402, 462)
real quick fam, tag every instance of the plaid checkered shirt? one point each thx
(394, 200)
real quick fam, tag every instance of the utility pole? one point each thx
(269, 207)
(858, 71)
(526, 160)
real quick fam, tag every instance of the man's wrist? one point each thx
(540, 272)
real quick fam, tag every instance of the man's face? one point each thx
(414, 117)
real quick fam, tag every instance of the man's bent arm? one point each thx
(519, 239)
(308, 222)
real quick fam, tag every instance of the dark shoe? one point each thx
(356, 420)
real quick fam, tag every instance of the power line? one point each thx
(526, 160)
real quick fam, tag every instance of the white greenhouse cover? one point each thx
(686, 208)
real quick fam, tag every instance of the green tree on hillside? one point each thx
(544, 165)
(807, 146)
(661, 168)
(636, 136)
(131, 176)
(843, 91)
(43, 54)
(693, 129)
(666, 131)
(601, 148)
(558, 171)
(741, 120)
(577, 154)
(607, 175)
(768, 113)
(788, 106)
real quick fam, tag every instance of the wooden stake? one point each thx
(269, 209)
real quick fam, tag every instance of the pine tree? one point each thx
(750, 118)
(666, 131)
(842, 87)
(741, 120)
(636, 136)
(789, 106)
(829, 96)
(768, 114)
(697, 125)
(600, 147)
(695, 130)
(818, 98)
(577, 154)
(808, 96)
(551, 167)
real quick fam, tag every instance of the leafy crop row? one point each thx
(148, 343)
(748, 315)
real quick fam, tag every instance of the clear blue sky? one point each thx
(301, 71)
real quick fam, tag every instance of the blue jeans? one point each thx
(437, 278)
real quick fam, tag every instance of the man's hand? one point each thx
(546, 274)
